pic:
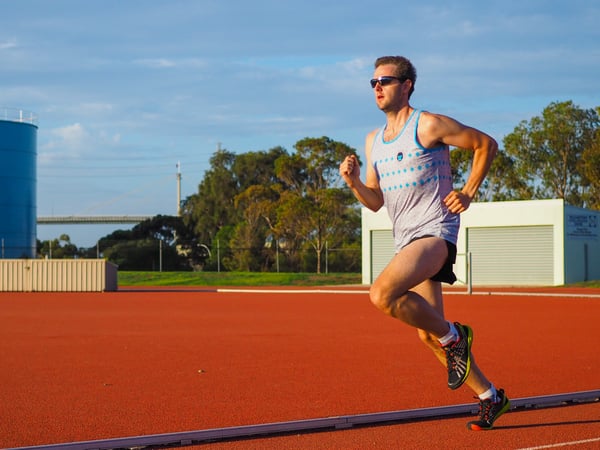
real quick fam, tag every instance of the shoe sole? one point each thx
(469, 332)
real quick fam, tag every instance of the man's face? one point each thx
(389, 91)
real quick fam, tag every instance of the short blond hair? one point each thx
(404, 69)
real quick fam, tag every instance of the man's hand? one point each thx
(350, 169)
(457, 202)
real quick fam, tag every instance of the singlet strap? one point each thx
(416, 138)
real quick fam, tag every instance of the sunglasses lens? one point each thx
(383, 81)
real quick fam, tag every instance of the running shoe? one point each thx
(489, 411)
(458, 356)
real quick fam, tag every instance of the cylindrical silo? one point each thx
(18, 183)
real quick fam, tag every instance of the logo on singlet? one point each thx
(399, 156)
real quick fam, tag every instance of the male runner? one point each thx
(408, 172)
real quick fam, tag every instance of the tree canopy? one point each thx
(274, 201)
(553, 152)
(555, 155)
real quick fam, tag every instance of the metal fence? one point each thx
(155, 255)
(18, 115)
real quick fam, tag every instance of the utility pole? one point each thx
(178, 189)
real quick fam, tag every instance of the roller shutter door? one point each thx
(382, 251)
(512, 255)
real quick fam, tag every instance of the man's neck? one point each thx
(396, 120)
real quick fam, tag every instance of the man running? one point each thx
(408, 172)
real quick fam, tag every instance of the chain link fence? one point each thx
(156, 255)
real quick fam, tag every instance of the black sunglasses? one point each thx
(384, 81)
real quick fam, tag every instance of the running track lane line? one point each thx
(562, 444)
(365, 291)
(308, 425)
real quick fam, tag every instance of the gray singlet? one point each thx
(414, 181)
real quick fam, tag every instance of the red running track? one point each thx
(88, 366)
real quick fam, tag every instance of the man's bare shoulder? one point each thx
(433, 121)
(433, 128)
(373, 133)
(438, 128)
(369, 140)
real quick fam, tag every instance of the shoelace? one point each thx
(451, 355)
(485, 408)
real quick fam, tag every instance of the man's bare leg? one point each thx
(431, 291)
(404, 291)
(391, 292)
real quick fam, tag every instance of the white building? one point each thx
(517, 243)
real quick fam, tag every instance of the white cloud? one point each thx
(96, 107)
(7, 45)
(469, 29)
(167, 63)
(72, 135)
(155, 63)
(68, 142)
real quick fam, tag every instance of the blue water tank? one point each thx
(18, 183)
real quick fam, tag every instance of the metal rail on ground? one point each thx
(322, 424)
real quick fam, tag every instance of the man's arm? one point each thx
(368, 193)
(444, 129)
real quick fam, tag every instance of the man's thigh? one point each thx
(414, 264)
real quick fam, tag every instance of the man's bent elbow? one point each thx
(492, 149)
(374, 204)
(378, 203)
(376, 207)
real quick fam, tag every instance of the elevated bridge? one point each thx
(70, 220)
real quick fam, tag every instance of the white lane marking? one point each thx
(562, 444)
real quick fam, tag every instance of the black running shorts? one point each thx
(446, 275)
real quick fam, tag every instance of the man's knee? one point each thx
(384, 299)
(377, 297)
(389, 301)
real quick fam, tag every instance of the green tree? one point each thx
(256, 203)
(256, 168)
(214, 207)
(161, 242)
(502, 182)
(253, 234)
(254, 172)
(314, 208)
(547, 151)
(589, 166)
(60, 248)
(139, 254)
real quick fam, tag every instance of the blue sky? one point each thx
(126, 89)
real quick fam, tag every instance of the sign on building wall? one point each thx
(582, 226)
